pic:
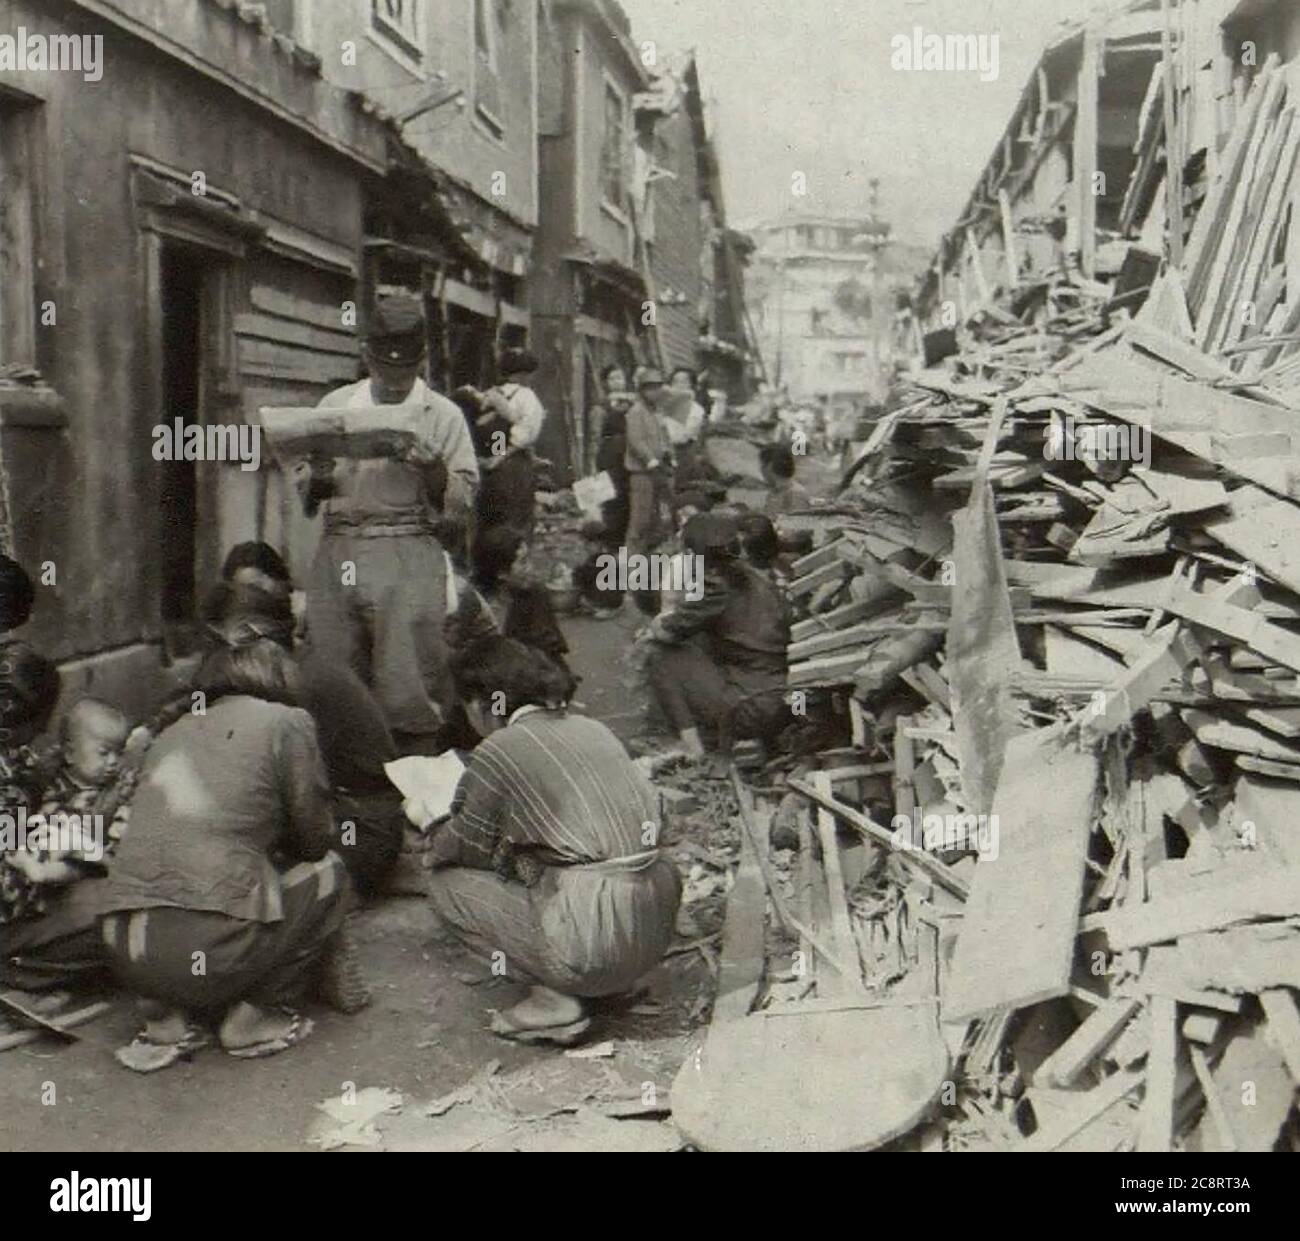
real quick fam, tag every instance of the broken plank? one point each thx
(1213, 1104)
(1279, 1006)
(918, 858)
(1252, 898)
(1067, 1063)
(1091, 1104)
(740, 967)
(1166, 653)
(1260, 635)
(1016, 944)
(1156, 1127)
(840, 923)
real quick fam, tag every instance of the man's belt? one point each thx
(396, 523)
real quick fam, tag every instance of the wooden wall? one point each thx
(90, 500)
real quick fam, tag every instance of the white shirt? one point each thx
(525, 413)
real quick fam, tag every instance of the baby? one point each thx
(91, 780)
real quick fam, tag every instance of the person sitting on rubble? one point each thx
(549, 863)
(49, 907)
(717, 662)
(225, 902)
(354, 740)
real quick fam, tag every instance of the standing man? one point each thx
(509, 479)
(648, 461)
(380, 586)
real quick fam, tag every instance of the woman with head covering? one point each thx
(354, 740)
(549, 865)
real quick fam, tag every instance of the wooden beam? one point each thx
(1156, 1128)
(917, 858)
(1068, 1062)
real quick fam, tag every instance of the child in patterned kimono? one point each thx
(91, 788)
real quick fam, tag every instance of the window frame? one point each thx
(611, 86)
(395, 42)
(488, 121)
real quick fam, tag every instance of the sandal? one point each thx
(561, 1036)
(300, 1027)
(143, 1055)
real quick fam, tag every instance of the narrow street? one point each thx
(426, 1032)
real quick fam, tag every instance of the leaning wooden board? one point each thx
(1016, 944)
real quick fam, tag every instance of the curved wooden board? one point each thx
(811, 1081)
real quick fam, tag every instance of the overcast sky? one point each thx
(806, 85)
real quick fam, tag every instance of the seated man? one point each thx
(549, 863)
(718, 662)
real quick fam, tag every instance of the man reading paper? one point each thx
(379, 588)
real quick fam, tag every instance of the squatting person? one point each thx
(551, 854)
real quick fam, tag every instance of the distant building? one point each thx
(822, 305)
(697, 264)
(632, 262)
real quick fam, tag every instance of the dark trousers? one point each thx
(506, 495)
(695, 691)
(371, 848)
(203, 962)
(61, 947)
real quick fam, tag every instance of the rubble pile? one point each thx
(1057, 609)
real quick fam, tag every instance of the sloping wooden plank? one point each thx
(982, 650)
(1257, 633)
(1068, 1062)
(1263, 530)
(1016, 944)
(1187, 414)
(740, 967)
(1091, 1104)
(1156, 1129)
(1240, 960)
(1248, 899)
(1283, 1026)
(918, 858)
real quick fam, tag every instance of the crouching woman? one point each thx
(549, 865)
(224, 901)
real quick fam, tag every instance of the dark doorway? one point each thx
(182, 283)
